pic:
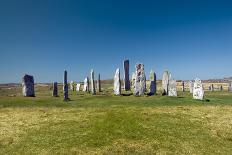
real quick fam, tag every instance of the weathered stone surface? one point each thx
(183, 86)
(28, 86)
(126, 75)
(165, 82)
(78, 87)
(133, 80)
(191, 84)
(152, 89)
(221, 88)
(65, 86)
(72, 85)
(117, 82)
(99, 83)
(93, 90)
(198, 92)
(55, 90)
(140, 80)
(86, 85)
(172, 88)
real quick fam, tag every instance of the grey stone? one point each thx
(86, 85)
(133, 81)
(99, 83)
(72, 85)
(198, 92)
(28, 86)
(212, 87)
(172, 88)
(191, 84)
(126, 75)
(152, 89)
(165, 82)
(230, 87)
(93, 90)
(117, 82)
(78, 87)
(183, 86)
(140, 80)
(55, 90)
(221, 88)
(65, 86)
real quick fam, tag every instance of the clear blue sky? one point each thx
(190, 38)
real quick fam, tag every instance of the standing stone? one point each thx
(78, 87)
(230, 87)
(172, 88)
(212, 87)
(117, 82)
(165, 82)
(55, 90)
(28, 86)
(99, 83)
(152, 89)
(198, 92)
(93, 90)
(126, 75)
(221, 88)
(72, 85)
(191, 84)
(133, 80)
(140, 80)
(182, 86)
(86, 85)
(65, 86)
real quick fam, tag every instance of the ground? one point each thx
(107, 124)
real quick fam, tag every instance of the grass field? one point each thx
(107, 124)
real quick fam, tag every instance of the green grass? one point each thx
(107, 124)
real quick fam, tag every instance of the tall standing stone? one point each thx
(198, 92)
(126, 75)
(86, 85)
(221, 88)
(172, 88)
(191, 84)
(28, 86)
(230, 87)
(99, 83)
(165, 82)
(78, 87)
(93, 90)
(65, 86)
(183, 86)
(117, 82)
(152, 89)
(140, 80)
(55, 90)
(72, 85)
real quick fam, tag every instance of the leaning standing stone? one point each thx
(172, 88)
(65, 86)
(140, 80)
(117, 82)
(152, 89)
(55, 90)
(86, 85)
(165, 82)
(93, 90)
(99, 83)
(126, 75)
(198, 92)
(28, 86)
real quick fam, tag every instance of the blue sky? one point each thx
(190, 38)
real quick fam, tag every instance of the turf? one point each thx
(107, 124)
